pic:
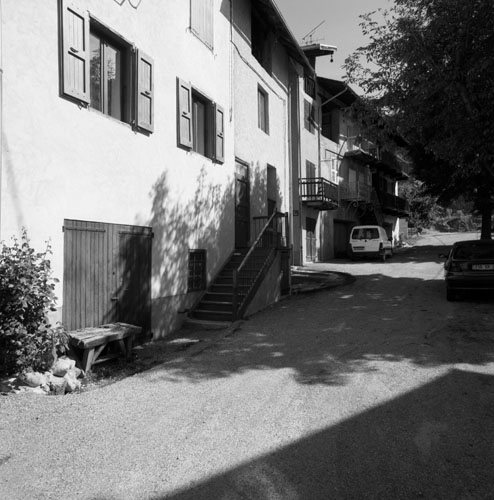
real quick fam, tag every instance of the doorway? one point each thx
(310, 239)
(107, 274)
(242, 205)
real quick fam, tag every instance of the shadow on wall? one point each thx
(205, 222)
(263, 188)
(432, 442)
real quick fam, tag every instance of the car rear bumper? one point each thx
(363, 253)
(470, 282)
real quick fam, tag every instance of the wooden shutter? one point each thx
(219, 120)
(184, 119)
(307, 114)
(201, 20)
(75, 51)
(145, 92)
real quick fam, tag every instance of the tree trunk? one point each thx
(486, 212)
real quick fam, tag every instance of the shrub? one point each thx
(27, 339)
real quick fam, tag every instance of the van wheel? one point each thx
(450, 295)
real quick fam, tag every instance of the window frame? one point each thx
(108, 38)
(187, 125)
(206, 124)
(263, 110)
(201, 275)
(309, 85)
(137, 99)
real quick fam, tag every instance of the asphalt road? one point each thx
(379, 389)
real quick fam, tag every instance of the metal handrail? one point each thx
(242, 266)
(258, 239)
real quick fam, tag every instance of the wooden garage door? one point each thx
(107, 274)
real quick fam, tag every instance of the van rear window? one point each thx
(370, 233)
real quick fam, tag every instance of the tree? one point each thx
(423, 207)
(428, 68)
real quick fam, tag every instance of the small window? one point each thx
(200, 123)
(201, 20)
(263, 110)
(309, 116)
(197, 271)
(101, 70)
(310, 169)
(309, 86)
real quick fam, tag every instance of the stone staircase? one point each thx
(216, 305)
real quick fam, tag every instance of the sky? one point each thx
(341, 26)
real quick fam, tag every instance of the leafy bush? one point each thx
(27, 339)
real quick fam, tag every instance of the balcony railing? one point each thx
(379, 157)
(319, 193)
(358, 144)
(393, 204)
(355, 191)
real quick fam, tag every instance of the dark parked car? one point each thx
(469, 266)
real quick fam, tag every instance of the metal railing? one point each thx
(357, 143)
(394, 203)
(271, 234)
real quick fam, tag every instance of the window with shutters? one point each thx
(201, 21)
(103, 71)
(200, 122)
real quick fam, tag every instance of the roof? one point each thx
(334, 87)
(273, 16)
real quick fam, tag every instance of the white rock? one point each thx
(62, 366)
(33, 379)
(72, 382)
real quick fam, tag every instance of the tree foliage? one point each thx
(428, 68)
(27, 339)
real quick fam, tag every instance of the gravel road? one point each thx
(379, 389)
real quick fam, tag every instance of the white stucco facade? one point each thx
(62, 161)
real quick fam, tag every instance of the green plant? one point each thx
(27, 339)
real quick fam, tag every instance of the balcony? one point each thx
(355, 191)
(394, 166)
(319, 193)
(362, 149)
(385, 161)
(393, 205)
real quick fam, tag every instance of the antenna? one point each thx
(311, 32)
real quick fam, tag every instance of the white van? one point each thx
(370, 241)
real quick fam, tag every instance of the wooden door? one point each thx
(242, 206)
(107, 274)
(310, 239)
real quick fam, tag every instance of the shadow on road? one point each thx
(326, 336)
(434, 442)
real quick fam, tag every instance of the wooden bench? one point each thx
(92, 341)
